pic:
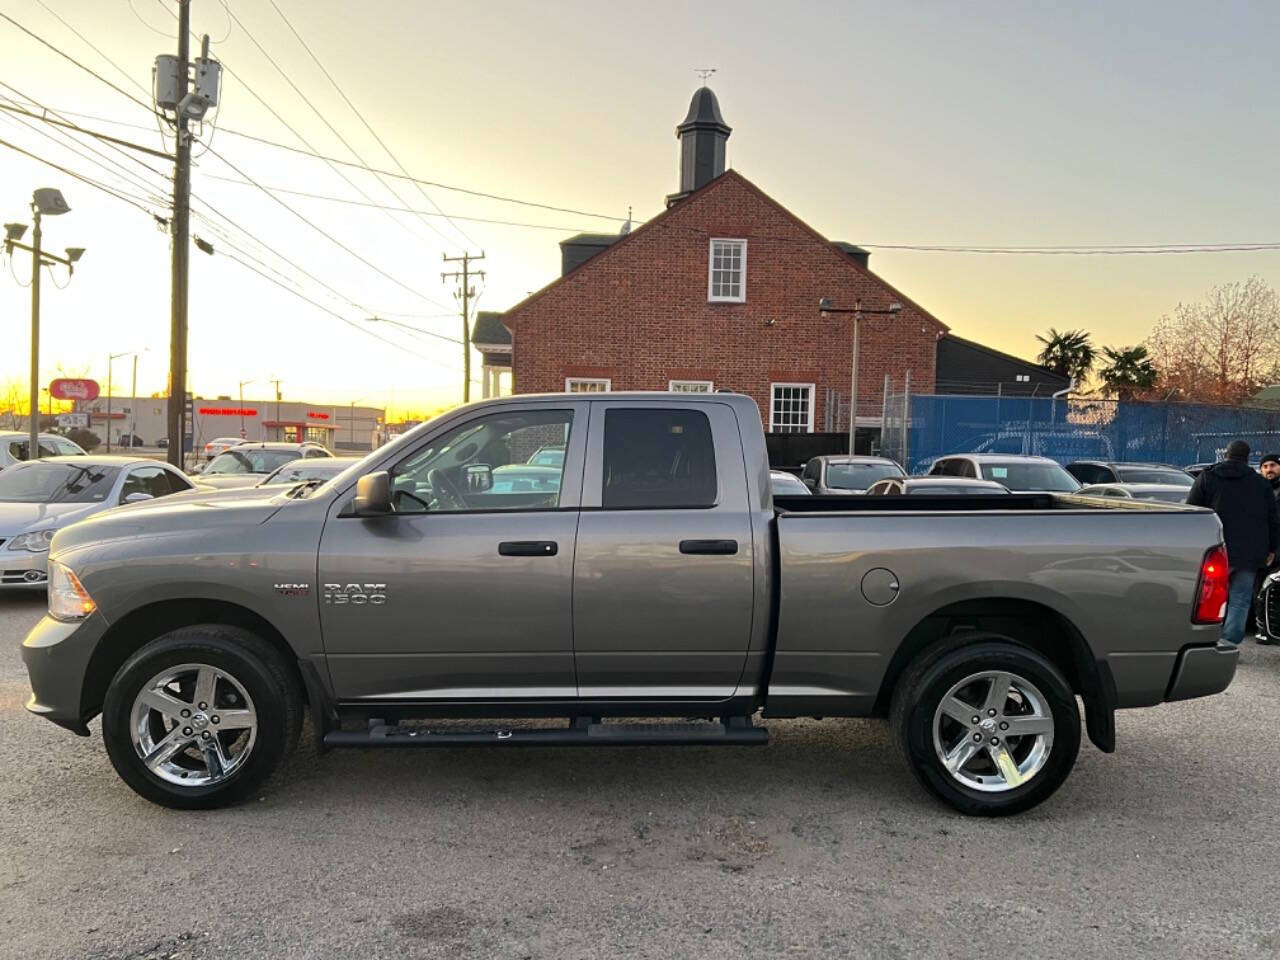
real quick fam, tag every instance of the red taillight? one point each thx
(1211, 595)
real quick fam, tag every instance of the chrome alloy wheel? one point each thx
(193, 725)
(993, 731)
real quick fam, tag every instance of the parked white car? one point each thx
(13, 447)
(40, 497)
(1166, 492)
(1019, 474)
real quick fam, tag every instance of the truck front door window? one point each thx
(483, 465)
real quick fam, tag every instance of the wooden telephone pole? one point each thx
(464, 295)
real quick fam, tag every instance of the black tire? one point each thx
(927, 680)
(265, 676)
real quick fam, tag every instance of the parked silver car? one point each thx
(13, 447)
(1019, 474)
(842, 474)
(935, 486)
(39, 498)
(1167, 492)
(247, 464)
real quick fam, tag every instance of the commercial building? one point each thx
(338, 427)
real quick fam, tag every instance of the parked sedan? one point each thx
(13, 447)
(38, 498)
(1019, 474)
(247, 464)
(935, 486)
(842, 474)
(308, 468)
(1099, 471)
(787, 484)
(220, 445)
(1167, 492)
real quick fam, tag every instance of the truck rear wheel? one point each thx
(987, 725)
(201, 717)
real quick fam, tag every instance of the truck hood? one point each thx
(16, 518)
(177, 515)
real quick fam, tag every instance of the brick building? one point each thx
(720, 291)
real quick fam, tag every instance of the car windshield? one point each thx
(1168, 496)
(1155, 475)
(859, 476)
(310, 469)
(785, 485)
(548, 457)
(1031, 476)
(250, 460)
(43, 482)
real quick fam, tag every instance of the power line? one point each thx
(381, 206)
(89, 43)
(83, 179)
(324, 233)
(362, 119)
(87, 69)
(90, 133)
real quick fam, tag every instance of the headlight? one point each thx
(37, 541)
(68, 599)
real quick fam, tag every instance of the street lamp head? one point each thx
(194, 106)
(74, 254)
(895, 307)
(50, 202)
(824, 306)
(14, 231)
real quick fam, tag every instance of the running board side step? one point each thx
(738, 731)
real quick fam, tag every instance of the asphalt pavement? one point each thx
(819, 844)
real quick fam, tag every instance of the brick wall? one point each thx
(638, 313)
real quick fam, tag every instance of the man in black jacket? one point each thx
(1246, 505)
(1270, 470)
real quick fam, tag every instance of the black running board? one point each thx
(737, 732)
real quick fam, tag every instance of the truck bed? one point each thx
(1019, 502)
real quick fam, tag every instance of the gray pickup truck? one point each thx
(640, 570)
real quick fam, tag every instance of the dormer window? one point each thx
(727, 271)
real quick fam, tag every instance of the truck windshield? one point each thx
(1021, 475)
(56, 483)
(859, 476)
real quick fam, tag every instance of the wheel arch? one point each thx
(1031, 623)
(140, 626)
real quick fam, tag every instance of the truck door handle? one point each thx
(528, 548)
(709, 546)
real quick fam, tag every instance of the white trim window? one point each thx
(689, 386)
(727, 271)
(587, 384)
(791, 408)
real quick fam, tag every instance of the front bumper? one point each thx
(57, 656)
(22, 568)
(1203, 671)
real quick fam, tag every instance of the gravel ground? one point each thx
(820, 844)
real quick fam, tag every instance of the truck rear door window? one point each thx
(659, 459)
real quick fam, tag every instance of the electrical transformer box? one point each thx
(167, 82)
(208, 79)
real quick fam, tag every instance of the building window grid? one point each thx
(727, 271)
(587, 384)
(791, 408)
(690, 386)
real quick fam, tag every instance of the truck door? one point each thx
(464, 592)
(663, 578)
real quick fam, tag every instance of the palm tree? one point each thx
(1069, 354)
(1129, 370)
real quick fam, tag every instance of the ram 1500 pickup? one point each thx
(639, 569)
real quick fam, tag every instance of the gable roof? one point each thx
(840, 257)
(489, 329)
(1006, 357)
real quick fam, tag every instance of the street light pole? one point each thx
(33, 428)
(111, 358)
(826, 307)
(242, 385)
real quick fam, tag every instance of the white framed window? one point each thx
(587, 384)
(689, 386)
(791, 408)
(727, 271)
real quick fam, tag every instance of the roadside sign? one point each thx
(67, 389)
(71, 420)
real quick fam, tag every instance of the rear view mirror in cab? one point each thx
(479, 477)
(373, 495)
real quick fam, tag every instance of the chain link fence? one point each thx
(1070, 429)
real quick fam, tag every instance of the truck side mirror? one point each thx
(373, 495)
(479, 477)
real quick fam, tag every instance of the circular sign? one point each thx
(65, 389)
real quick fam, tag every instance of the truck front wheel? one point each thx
(987, 725)
(201, 717)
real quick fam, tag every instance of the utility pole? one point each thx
(277, 383)
(133, 403)
(463, 296)
(825, 308)
(242, 383)
(181, 226)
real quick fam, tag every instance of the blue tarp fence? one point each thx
(1082, 429)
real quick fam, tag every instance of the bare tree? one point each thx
(1221, 349)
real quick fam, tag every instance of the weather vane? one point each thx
(705, 73)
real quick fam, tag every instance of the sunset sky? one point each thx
(890, 124)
